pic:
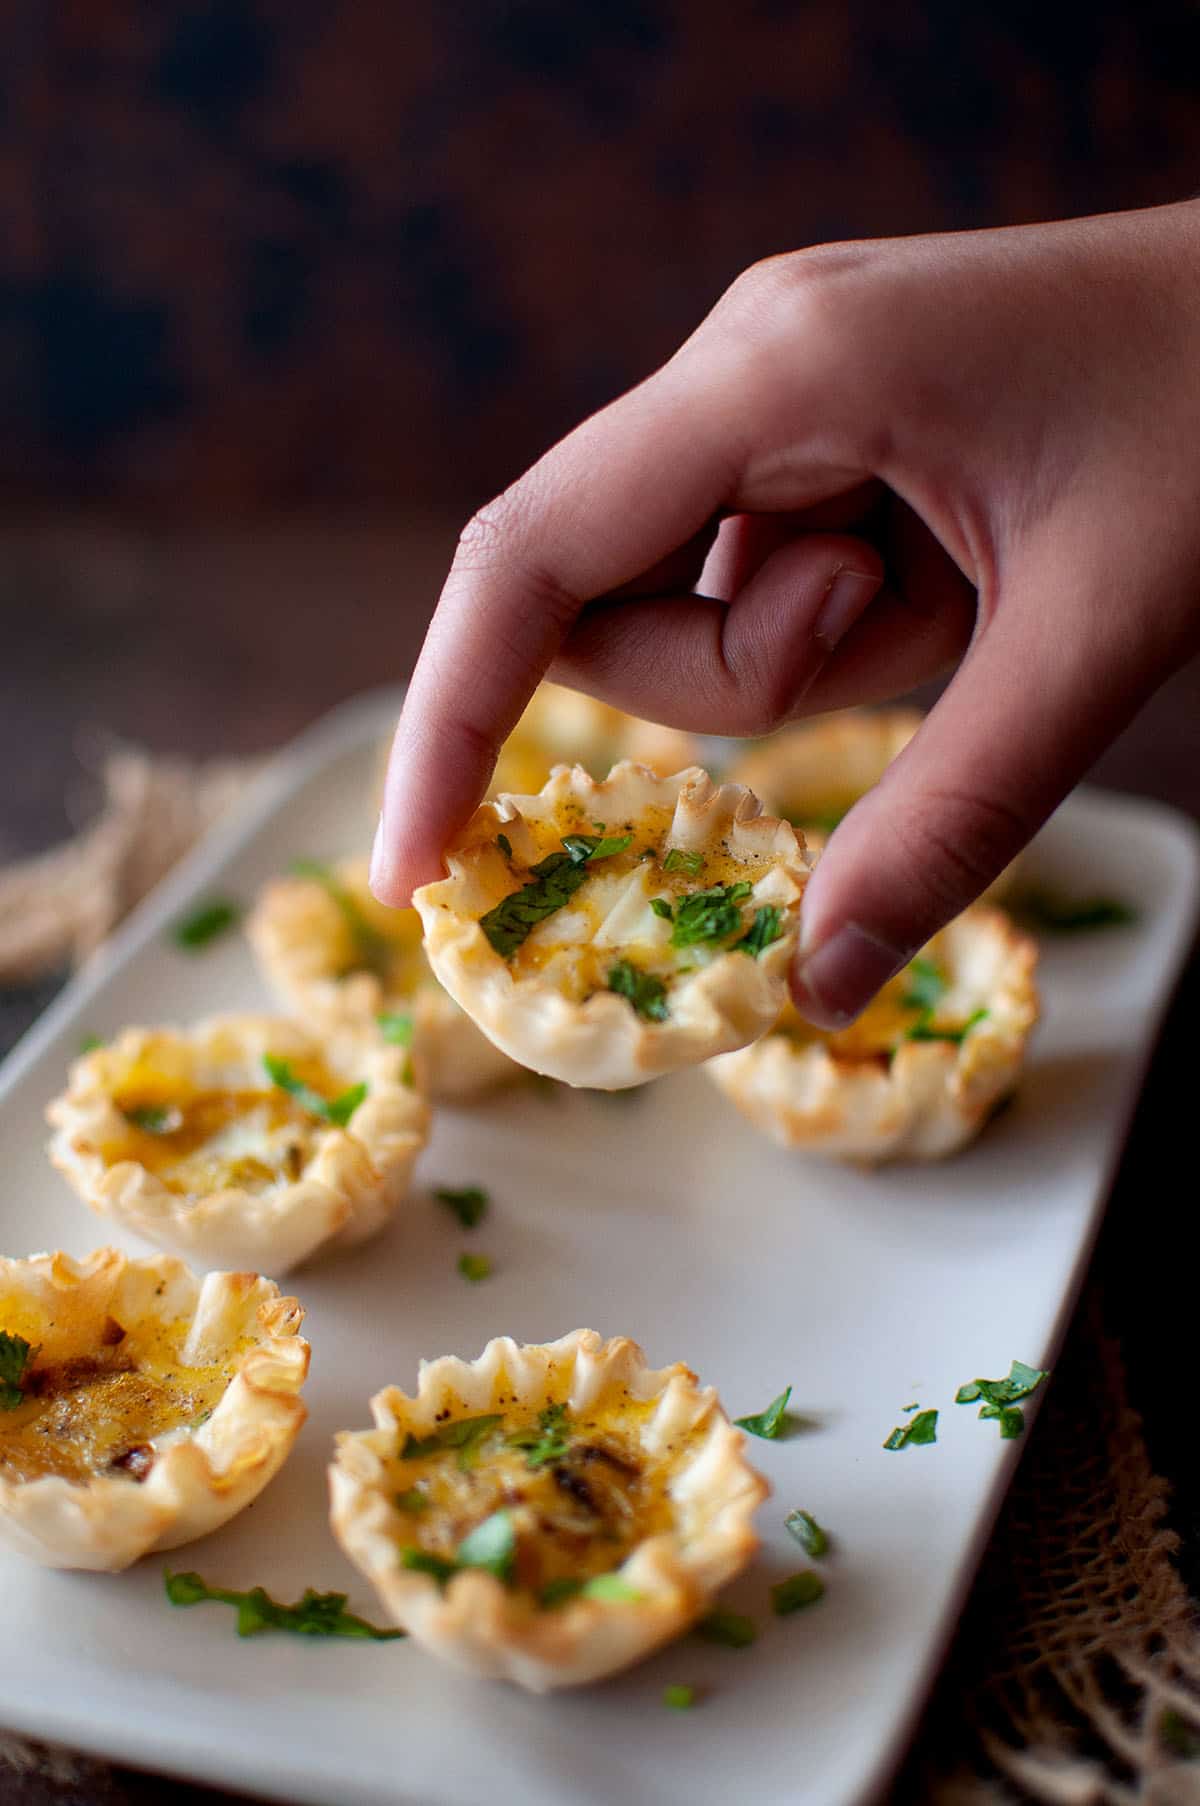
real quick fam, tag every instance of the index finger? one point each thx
(605, 506)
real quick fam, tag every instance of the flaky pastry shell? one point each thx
(552, 1005)
(231, 1335)
(838, 1096)
(662, 1584)
(316, 1185)
(309, 951)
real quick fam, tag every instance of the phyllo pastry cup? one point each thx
(243, 1141)
(141, 1407)
(605, 933)
(920, 1071)
(546, 1514)
(564, 727)
(333, 954)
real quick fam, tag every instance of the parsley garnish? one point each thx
(764, 929)
(336, 1110)
(464, 1435)
(557, 1592)
(609, 1586)
(316, 1615)
(412, 1500)
(549, 1441)
(679, 1697)
(808, 1533)
(662, 908)
(555, 880)
(469, 1205)
(926, 986)
(919, 1431)
(1059, 915)
(396, 1027)
(374, 951)
(767, 1423)
(422, 1562)
(474, 1267)
(729, 1628)
(153, 1119)
(925, 1030)
(797, 1591)
(677, 860)
(709, 915)
(647, 994)
(205, 924)
(1000, 1397)
(491, 1546)
(15, 1354)
(505, 845)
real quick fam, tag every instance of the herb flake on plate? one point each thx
(733, 1630)
(796, 1592)
(918, 1432)
(474, 1267)
(315, 1615)
(808, 1533)
(469, 1203)
(205, 924)
(768, 1423)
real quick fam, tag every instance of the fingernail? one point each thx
(839, 977)
(848, 594)
(379, 861)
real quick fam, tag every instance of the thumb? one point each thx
(1040, 693)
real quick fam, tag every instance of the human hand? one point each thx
(870, 461)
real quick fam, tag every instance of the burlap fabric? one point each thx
(1074, 1679)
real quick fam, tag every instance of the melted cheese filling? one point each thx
(198, 1140)
(575, 1516)
(100, 1412)
(611, 916)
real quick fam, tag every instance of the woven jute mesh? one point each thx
(1074, 1679)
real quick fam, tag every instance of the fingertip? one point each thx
(833, 981)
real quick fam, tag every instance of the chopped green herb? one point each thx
(731, 1629)
(1012, 1419)
(917, 1432)
(491, 1546)
(505, 845)
(662, 908)
(926, 1030)
(679, 1698)
(336, 1110)
(475, 1267)
(316, 1614)
(647, 994)
(1021, 1381)
(765, 928)
(396, 1027)
(421, 1561)
(767, 1423)
(558, 1592)
(469, 1205)
(554, 881)
(796, 1592)
(927, 985)
(808, 1533)
(464, 1435)
(1060, 915)
(677, 860)
(707, 916)
(15, 1354)
(154, 1119)
(549, 1441)
(412, 1501)
(915, 1406)
(373, 949)
(90, 1043)
(205, 924)
(611, 1587)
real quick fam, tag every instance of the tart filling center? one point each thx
(921, 1003)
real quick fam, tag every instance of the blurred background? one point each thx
(287, 289)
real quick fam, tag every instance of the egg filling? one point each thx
(919, 1004)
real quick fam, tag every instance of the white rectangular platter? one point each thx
(663, 1216)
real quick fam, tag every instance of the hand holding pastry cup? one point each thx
(243, 1141)
(141, 1407)
(334, 955)
(604, 933)
(547, 1514)
(920, 1071)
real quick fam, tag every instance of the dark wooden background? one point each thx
(288, 286)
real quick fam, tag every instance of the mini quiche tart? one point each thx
(562, 726)
(243, 1141)
(547, 1514)
(333, 954)
(140, 1407)
(920, 1071)
(813, 773)
(605, 933)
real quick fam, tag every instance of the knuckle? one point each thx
(954, 843)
